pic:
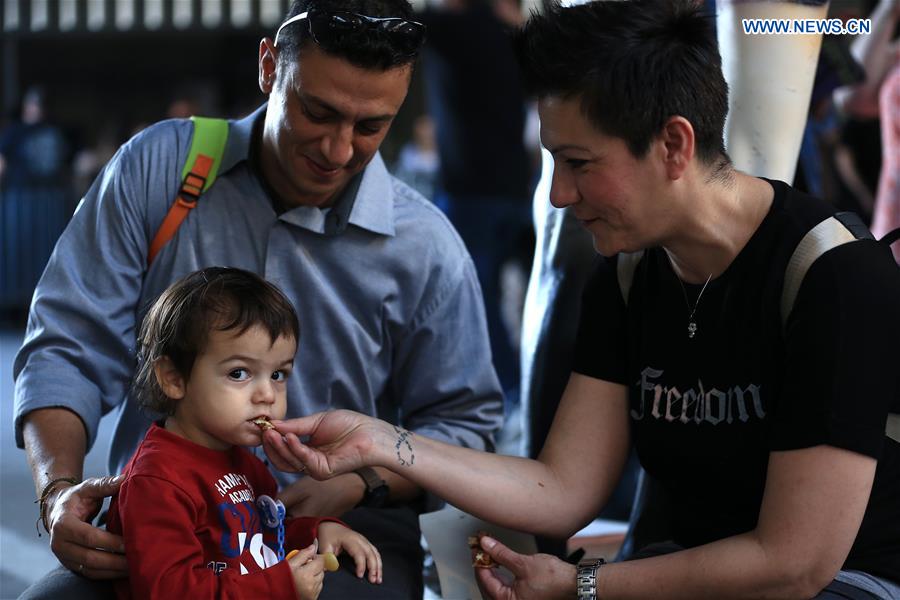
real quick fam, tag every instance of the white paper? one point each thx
(447, 532)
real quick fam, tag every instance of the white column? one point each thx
(770, 80)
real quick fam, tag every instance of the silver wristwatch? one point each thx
(586, 578)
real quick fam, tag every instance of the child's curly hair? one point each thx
(178, 324)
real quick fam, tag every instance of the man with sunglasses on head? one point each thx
(392, 321)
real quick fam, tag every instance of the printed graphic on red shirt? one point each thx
(242, 531)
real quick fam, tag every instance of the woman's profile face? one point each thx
(614, 195)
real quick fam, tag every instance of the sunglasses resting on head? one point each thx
(327, 28)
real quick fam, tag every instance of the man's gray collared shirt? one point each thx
(391, 316)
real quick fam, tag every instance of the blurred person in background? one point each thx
(475, 97)
(864, 167)
(34, 198)
(887, 201)
(393, 318)
(418, 161)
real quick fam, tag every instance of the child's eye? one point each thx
(280, 375)
(239, 374)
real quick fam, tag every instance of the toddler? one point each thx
(196, 508)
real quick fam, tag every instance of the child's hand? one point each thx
(308, 569)
(334, 537)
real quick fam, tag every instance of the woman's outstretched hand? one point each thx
(338, 442)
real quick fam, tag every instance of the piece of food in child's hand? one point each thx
(331, 561)
(263, 423)
(480, 559)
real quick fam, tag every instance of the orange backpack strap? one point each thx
(199, 172)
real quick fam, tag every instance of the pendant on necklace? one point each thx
(692, 329)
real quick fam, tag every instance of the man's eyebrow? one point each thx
(310, 99)
(320, 103)
(565, 147)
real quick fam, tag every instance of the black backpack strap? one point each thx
(829, 234)
(840, 229)
(851, 221)
(890, 237)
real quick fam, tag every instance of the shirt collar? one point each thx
(374, 206)
(368, 197)
(240, 132)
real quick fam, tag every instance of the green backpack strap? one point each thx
(199, 172)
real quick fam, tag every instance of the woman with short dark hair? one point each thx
(756, 395)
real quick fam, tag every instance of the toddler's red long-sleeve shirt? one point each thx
(191, 526)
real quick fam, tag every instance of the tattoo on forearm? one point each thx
(405, 455)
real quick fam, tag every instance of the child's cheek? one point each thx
(280, 410)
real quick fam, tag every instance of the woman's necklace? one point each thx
(692, 324)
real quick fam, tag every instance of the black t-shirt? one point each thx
(706, 412)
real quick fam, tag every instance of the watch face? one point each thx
(377, 497)
(590, 563)
(376, 491)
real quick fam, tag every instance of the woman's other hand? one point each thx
(538, 576)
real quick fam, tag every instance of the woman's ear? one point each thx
(679, 146)
(169, 378)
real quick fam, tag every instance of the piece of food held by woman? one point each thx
(263, 423)
(480, 558)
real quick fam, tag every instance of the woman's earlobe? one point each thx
(169, 378)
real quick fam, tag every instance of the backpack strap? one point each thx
(840, 229)
(892, 429)
(891, 236)
(199, 172)
(830, 233)
(625, 266)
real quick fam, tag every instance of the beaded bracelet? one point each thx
(42, 501)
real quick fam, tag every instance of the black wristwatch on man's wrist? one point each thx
(586, 578)
(377, 489)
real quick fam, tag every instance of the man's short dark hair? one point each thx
(178, 324)
(634, 64)
(371, 52)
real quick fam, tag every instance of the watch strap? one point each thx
(377, 489)
(372, 479)
(586, 578)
